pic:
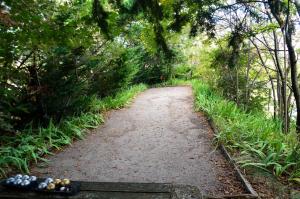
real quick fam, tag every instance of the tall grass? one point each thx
(17, 152)
(256, 140)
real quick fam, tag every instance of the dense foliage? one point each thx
(56, 63)
(60, 58)
(53, 57)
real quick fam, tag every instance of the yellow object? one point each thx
(57, 181)
(65, 182)
(51, 186)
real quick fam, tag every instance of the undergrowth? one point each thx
(30, 145)
(256, 140)
(173, 82)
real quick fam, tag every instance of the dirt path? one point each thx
(158, 139)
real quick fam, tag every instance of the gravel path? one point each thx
(159, 138)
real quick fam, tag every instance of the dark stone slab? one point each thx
(105, 190)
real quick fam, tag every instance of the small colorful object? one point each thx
(51, 186)
(46, 185)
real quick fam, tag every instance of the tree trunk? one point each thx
(35, 87)
(287, 30)
(270, 78)
(294, 74)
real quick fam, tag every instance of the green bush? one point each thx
(182, 72)
(117, 73)
(153, 69)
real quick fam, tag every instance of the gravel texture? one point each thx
(159, 138)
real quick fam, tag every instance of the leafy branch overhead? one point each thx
(60, 59)
(165, 17)
(101, 17)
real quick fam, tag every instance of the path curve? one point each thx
(159, 138)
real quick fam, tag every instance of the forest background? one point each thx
(64, 62)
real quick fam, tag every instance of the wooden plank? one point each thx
(126, 187)
(114, 190)
(101, 190)
(87, 195)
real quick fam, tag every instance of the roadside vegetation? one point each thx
(63, 63)
(32, 144)
(254, 139)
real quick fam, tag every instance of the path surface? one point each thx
(159, 138)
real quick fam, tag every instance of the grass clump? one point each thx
(174, 82)
(18, 151)
(255, 139)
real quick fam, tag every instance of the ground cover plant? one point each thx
(255, 139)
(32, 144)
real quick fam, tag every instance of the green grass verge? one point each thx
(30, 145)
(254, 139)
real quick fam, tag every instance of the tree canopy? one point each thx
(58, 56)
